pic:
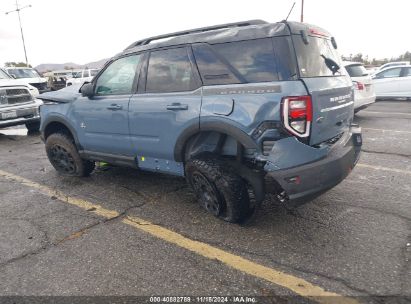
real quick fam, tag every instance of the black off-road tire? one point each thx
(220, 184)
(64, 157)
(33, 127)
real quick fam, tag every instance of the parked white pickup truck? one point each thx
(82, 76)
(18, 105)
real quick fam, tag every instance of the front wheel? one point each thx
(64, 157)
(219, 190)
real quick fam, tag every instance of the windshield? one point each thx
(94, 72)
(77, 74)
(4, 75)
(356, 70)
(317, 58)
(23, 73)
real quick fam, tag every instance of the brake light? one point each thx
(359, 85)
(297, 114)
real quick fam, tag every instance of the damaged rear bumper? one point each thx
(306, 181)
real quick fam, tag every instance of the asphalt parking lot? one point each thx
(125, 232)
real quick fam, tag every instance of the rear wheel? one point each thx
(33, 126)
(219, 190)
(64, 157)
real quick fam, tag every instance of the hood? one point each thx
(67, 94)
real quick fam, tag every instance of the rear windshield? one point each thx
(312, 58)
(356, 70)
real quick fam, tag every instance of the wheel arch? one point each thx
(55, 124)
(221, 127)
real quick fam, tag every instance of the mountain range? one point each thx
(46, 67)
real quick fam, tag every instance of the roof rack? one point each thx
(197, 30)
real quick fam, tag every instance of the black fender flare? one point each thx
(218, 125)
(59, 119)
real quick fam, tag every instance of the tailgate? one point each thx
(333, 106)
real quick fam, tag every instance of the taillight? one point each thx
(359, 85)
(297, 114)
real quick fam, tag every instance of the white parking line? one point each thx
(393, 113)
(386, 130)
(385, 169)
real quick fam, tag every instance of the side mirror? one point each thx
(87, 89)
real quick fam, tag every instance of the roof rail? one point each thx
(197, 30)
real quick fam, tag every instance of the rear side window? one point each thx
(170, 71)
(258, 60)
(406, 72)
(356, 70)
(253, 59)
(213, 69)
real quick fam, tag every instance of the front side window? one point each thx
(170, 71)
(391, 73)
(118, 77)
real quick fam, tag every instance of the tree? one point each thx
(12, 64)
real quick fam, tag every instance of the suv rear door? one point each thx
(320, 68)
(167, 103)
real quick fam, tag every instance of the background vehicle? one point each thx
(5, 79)
(392, 64)
(82, 76)
(31, 76)
(364, 94)
(17, 105)
(393, 82)
(237, 116)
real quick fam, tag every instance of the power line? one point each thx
(18, 9)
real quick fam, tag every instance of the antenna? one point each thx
(292, 7)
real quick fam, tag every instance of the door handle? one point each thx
(177, 107)
(114, 107)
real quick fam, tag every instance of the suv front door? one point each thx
(102, 120)
(168, 101)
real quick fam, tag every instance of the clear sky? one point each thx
(82, 31)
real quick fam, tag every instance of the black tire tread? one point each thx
(84, 167)
(231, 186)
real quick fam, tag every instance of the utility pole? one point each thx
(18, 9)
(302, 10)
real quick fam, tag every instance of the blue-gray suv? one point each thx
(241, 110)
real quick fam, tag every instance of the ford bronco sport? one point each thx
(241, 110)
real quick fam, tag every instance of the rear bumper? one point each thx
(363, 102)
(307, 181)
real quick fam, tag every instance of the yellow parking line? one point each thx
(387, 130)
(384, 168)
(297, 285)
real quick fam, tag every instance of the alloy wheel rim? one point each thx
(209, 198)
(62, 159)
